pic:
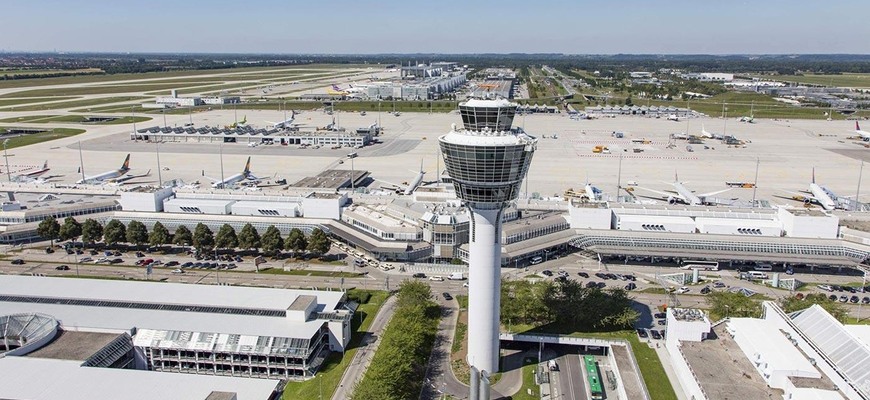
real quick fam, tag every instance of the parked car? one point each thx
(832, 297)
(826, 288)
(187, 265)
(116, 261)
(854, 299)
(865, 300)
(705, 290)
(718, 284)
(843, 299)
(17, 261)
(583, 274)
(447, 296)
(682, 290)
(642, 333)
(655, 334)
(662, 322)
(172, 263)
(178, 271)
(419, 275)
(49, 250)
(631, 286)
(86, 259)
(547, 272)
(591, 284)
(436, 278)
(62, 267)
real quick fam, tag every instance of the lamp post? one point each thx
(6, 156)
(351, 156)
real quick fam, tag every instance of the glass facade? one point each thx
(486, 174)
(493, 118)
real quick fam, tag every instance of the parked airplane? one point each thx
(287, 123)
(234, 179)
(682, 194)
(238, 124)
(408, 188)
(709, 135)
(673, 117)
(33, 173)
(818, 195)
(117, 176)
(865, 136)
(750, 119)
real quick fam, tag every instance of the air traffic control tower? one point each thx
(487, 160)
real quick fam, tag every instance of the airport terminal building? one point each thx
(196, 329)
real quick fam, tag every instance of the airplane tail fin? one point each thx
(676, 177)
(247, 169)
(45, 164)
(126, 164)
(814, 174)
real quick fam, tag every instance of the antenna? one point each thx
(81, 161)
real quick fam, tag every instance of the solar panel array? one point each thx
(145, 306)
(210, 130)
(850, 355)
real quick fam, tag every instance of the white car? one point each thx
(436, 278)
(178, 271)
(682, 290)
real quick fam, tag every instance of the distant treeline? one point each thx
(138, 63)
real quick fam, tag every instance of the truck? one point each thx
(456, 276)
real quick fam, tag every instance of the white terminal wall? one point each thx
(323, 207)
(687, 331)
(670, 223)
(729, 226)
(267, 208)
(144, 201)
(816, 225)
(769, 350)
(589, 217)
(206, 206)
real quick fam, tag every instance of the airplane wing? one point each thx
(394, 186)
(660, 193)
(213, 180)
(714, 193)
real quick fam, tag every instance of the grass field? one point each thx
(843, 80)
(56, 133)
(14, 72)
(528, 382)
(21, 83)
(742, 104)
(72, 104)
(333, 368)
(44, 119)
(15, 102)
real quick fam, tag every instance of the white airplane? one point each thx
(673, 117)
(287, 123)
(684, 195)
(234, 179)
(709, 135)
(408, 189)
(117, 176)
(35, 172)
(865, 136)
(819, 195)
(750, 119)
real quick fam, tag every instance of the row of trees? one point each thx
(566, 306)
(728, 304)
(136, 233)
(399, 366)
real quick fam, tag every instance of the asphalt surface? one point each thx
(363, 357)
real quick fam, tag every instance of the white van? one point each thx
(536, 260)
(757, 275)
(763, 267)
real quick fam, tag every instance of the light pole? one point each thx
(351, 156)
(159, 174)
(320, 381)
(221, 186)
(6, 156)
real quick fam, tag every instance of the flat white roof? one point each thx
(124, 318)
(861, 332)
(814, 394)
(743, 223)
(163, 292)
(656, 219)
(48, 379)
(775, 349)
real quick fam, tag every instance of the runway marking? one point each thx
(594, 155)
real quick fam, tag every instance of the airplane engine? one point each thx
(672, 200)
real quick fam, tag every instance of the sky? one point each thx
(443, 26)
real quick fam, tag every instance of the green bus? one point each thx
(593, 377)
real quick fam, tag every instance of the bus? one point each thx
(702, 265)
(593, 378)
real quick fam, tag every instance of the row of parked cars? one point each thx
(653, 333)
(850, 289)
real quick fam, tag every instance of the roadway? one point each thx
(363, 357)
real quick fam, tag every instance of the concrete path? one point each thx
(439, 376)
(368, 347)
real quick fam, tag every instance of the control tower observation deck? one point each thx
(487, 159)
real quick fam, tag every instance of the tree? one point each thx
(791, 304)
(49, 229)
(137, 233)
(271, 240)
(318, 242)
(733, 304)
(182, 236)
(203, 237)
(114, 232)
(296, 241)
(70, 229)
(226, 237)
(249, 238)
(159, 235)
(92, 231)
